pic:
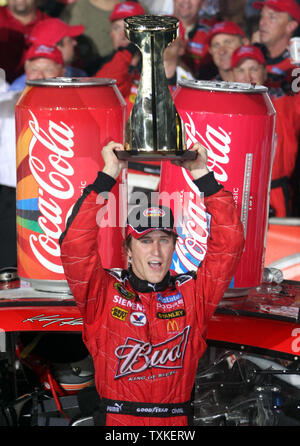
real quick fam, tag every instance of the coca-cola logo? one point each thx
(136, 356)
(49, 152)
(193, 230)
(217, 143)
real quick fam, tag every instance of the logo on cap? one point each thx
(154, 212)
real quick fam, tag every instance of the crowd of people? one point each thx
(222, 40)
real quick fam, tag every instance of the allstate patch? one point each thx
(168, 299)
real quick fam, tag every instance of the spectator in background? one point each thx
(55, 32)
(17, 20)
(194, 33)
(43, 62)
(124, 64)
(95, 44)
(223, 39)
(249, 65)
(278, 22)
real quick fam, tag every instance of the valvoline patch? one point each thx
(168, 299)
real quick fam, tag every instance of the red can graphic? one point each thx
(236, 124)
(61, 126)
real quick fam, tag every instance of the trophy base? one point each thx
(179, 155)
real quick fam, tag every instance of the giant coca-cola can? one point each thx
(61, 126)
(236, 124)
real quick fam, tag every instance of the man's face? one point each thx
(67, 48)
(187, 10)
(117, 34)
(274, 25)
(151, 255)
(21, 6)
(222, 47)
(42, 68)
(249, 70)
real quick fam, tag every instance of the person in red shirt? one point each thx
(124, 62)
(278, 22)
(17, 20)
(223, 39)
(194, 33)
(145, 327)
(249, 65)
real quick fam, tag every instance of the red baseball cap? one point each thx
(51, 31)
(289, 6)
(126, 9)
(49, 52)
(146, 218)
(247, 52)
(225, 28)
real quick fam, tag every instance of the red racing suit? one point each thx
(146, 339)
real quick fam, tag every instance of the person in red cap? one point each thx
(56, 32)
(124, 63)
(95, 44)
(144, 326)
(17, 20)
(249, 65)
(223, 39)
(278, 22)
(194, 33)
(43, 62)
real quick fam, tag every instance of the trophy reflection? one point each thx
(154, 130)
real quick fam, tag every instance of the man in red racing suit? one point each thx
(146, 337)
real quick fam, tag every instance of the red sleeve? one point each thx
(79, 248)
(118, 68)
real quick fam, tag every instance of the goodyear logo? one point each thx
(123, 291)
(171, 314)
(119, 313)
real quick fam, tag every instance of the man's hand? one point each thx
(198, 166)
(112, 165)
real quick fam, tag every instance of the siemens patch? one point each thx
(168, 299)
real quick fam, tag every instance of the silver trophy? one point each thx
(154, 130)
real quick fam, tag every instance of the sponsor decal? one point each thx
(123, 291)
(50, 158)
(172, 325)
(169, 307)
(135, 356)
(138, 319)
(119, 313)
(171, 314)
(135, 306)
(54, 319)
(154, 212)
(168, 299)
